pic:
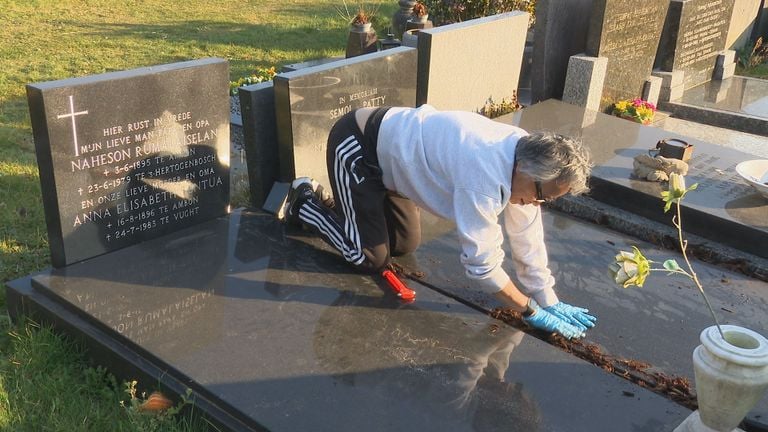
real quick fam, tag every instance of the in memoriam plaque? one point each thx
(131, 155)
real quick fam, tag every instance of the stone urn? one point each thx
(361, 40)
(731, 376)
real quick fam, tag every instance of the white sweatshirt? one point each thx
(458, 165)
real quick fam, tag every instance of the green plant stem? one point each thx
(680, 271)
(683, 246)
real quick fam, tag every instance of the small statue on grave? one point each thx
(657, 168)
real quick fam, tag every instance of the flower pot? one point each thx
(731, 376)
(411, 38)
(361, 28)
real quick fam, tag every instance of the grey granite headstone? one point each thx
(463, 65)
(694, 33)
(723, 208)
(260, 139)
(310, 100)
(131, 155)
(584, 81)
(627, 33)
(560, 32)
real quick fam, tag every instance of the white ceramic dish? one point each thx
(755, 172)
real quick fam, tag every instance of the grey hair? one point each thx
(547, 156)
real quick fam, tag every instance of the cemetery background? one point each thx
(45, 381)
(68, 74)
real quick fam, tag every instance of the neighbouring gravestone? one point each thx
(131, 155)
(260, 139)
(463, 65)
(627, 33)
(309, 101)
(561, 32)
(723, 207)
(742, 25)
(694, 34)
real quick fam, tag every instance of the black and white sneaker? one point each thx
(302, 189)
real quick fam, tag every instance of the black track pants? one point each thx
(368, 223)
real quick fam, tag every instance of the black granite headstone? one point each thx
(561, 31)
(131, 155)
(626, 33)
(260, 139)
(694, 33)
(310, 100)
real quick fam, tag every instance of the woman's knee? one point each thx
(404, 245)
(376, 259)
(372, 266)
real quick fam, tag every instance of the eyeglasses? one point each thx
(539, 196)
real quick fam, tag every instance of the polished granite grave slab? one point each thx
(658, 323)
(737, 103)
(723, 208)
(271, 327)
(739, 94)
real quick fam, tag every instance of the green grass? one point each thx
(46, 381)
(759, 71)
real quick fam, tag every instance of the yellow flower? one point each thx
(630, 268)
(676, 190)
(621, 106)
(644, 113)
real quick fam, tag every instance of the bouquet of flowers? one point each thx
(259, 75)
(636, 110)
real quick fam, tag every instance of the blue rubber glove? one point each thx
(543, 320)
(573, 315)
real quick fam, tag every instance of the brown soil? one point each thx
(675, 388)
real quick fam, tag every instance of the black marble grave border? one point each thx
(124, 359)
(28, 299)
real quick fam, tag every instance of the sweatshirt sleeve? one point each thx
(481, 238)
(525, 234)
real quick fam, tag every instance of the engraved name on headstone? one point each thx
(626, 33)
(132, 155)
(310, 100)
(694, 33)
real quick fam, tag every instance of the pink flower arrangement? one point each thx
(636, 110)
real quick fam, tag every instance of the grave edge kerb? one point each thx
(659, 234)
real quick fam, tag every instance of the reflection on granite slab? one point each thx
(741, 95)
(277, 329)
(658, 323)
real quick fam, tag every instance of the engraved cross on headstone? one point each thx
(72, 114)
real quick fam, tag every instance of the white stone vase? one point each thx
(731, 376)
